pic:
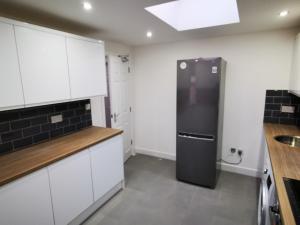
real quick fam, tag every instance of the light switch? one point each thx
(287, 109)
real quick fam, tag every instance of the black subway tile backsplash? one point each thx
(272, 106)
(6, 137)
(22, 128)
(69, 113)
(69, 129)
(7, 147)
(65, 123)
(284, 100)
(74, 105)
(9, 116)
(15, 125)
(22, 142)
(48, 127)
(271, 120)
(269, 100)
(60, 107)
(75, 120)
(41, 137)
(274, 93)
(31, 131)
(289, 121)
(268, 113)
(57, 132)
(39, 120)
(79, 112)
(286, 93)
(4, 127)
(273, 102)
(88, 123)
(279, 114)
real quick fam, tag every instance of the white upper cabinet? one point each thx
(86, 68)
(43, 65)
(27, 201)
(11, 93)
(295, 72)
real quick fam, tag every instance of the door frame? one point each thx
(108, 103)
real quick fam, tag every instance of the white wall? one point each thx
(115, 48)
(256, 62)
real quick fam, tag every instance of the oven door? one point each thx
(263, 204)
(275, 216)
(274, 211)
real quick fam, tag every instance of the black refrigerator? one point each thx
(200, 106)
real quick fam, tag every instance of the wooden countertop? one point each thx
(17, 164)
(285, 162)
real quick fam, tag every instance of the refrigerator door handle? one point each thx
(201, 137)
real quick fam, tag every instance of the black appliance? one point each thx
(293, 190)
(200, 106)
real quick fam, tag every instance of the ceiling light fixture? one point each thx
(87, 5)
(149, 34)
(283, 13)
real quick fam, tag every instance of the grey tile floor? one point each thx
(153, 196)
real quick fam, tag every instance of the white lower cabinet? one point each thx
(27, 201)
(107, 165)
(62, 191)
(71, 187)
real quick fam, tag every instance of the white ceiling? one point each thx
(127, 21)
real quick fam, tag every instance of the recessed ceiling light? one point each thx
(149, 34)
(194, 14)
(87, 5)
(283, 13)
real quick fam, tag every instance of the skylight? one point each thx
(193, 14)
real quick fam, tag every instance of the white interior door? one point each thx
(120, 97)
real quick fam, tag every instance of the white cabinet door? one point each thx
(107, 165)
(295, 72)
(11, 93)
(27, 201)
(43, 64)
(71, 187)
(86, 67)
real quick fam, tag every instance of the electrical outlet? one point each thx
(287, 109)
(57, 118)
(240, 152)
(233, 150)
(87, 107)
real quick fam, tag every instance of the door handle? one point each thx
(115, 117)
(201, 137)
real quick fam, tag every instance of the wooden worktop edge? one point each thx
(58, 158)
(286, 212)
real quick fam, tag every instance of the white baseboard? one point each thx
(154, 153)
(239, 169)
(225, 167)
